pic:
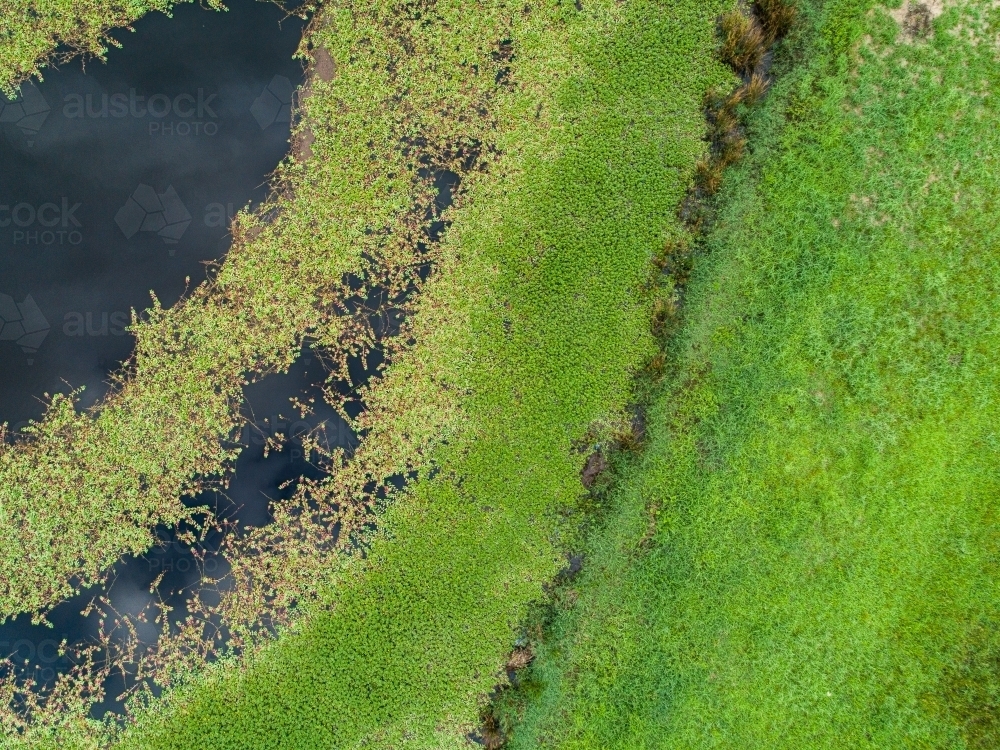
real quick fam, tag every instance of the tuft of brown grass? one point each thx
(755, 88)
(520, 658)
(743, 42)
(776, 18)
(663, 310)
(708, 176)
(657, 365)
(731, 148)
(724, 122)
(738, 96)
(492, 736)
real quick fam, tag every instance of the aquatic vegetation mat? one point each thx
(32, 30)
(79, 489)
(523, 347)
(519, 352)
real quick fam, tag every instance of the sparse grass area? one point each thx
(806, 555)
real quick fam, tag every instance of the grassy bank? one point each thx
(806, 555)
(531, 329)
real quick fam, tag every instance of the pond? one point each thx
(117, 180)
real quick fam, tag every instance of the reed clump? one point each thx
(776, 18)
(743, 42)
(708, 176)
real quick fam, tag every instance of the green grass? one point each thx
(821, 481)
(804, 556)
(532, 327)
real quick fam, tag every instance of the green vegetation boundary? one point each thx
(32, 30)
(806, 555)
(81, 489)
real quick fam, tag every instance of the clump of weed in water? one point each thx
(721, 113)
(743, 42)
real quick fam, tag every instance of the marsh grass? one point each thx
(755, 88)
(708, 175)
(406, 645)
(743, 41)
(482, 409)
(776, 18)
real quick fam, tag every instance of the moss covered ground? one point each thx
(806, 554)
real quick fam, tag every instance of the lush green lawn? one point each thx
(807, 554)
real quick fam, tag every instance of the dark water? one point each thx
(256, 482)
(117, 180)
(122, 181)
